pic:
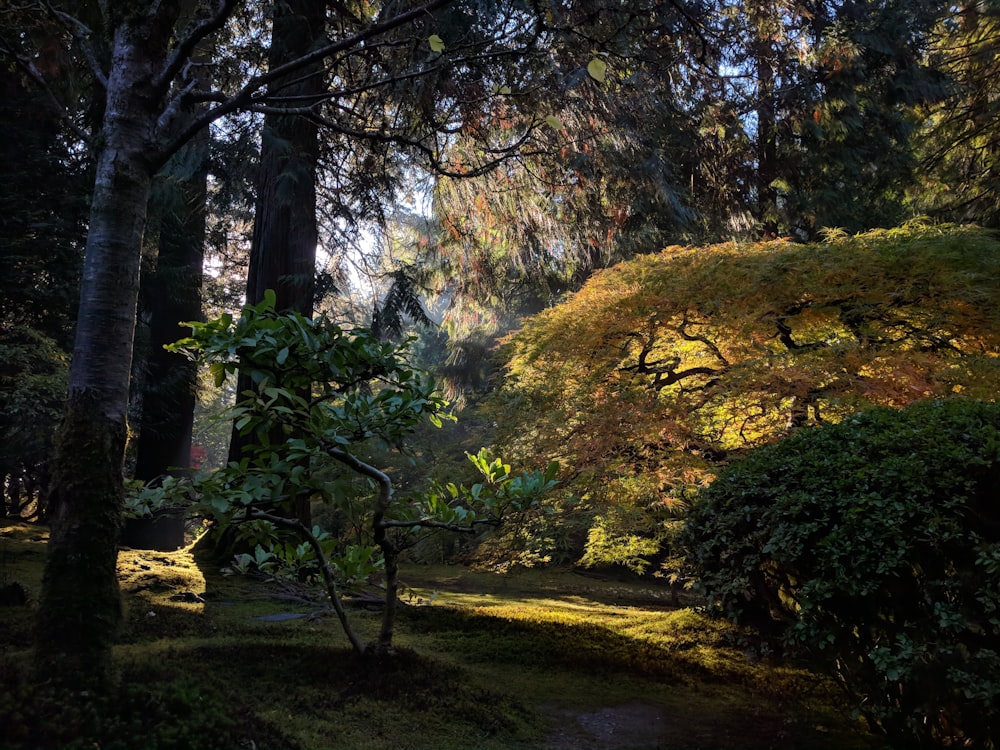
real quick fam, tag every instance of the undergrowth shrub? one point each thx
(873, 545)
(177, 714)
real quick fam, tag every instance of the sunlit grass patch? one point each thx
(514, 662)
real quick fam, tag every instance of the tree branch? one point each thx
(33, 73)
(245, 96)
(430, 523)
(83, 35)
(182, 52)
(329, 577)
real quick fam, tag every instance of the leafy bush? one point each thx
(874, 545)
(321, 396)
(173, 713)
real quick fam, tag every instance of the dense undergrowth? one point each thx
(484, 661)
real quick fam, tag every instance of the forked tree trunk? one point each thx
(80, 605)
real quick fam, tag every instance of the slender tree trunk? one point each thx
(80, 605)
(767, 147)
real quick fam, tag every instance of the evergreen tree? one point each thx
(959, 141)
(43, 203)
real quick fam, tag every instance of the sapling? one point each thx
(320, 396)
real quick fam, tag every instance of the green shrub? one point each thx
(874, 545)
(167, 713)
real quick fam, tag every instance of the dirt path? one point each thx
(637, 725)
(632, 725)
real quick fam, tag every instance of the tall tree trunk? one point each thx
(283, 249)
(171, 295)
(767, 147)
(80, 605)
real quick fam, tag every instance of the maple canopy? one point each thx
(667, 365)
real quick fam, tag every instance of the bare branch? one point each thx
(329, 577)
(430, 523)
(83, 35)
(435, 163)
(186, 45)
(245, 96)
(174, 106)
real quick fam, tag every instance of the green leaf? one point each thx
(554, 122)
(597, 69)
(218, 370)
(436, 43)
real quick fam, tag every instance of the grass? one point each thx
(537, 659)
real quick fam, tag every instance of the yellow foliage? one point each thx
(668, 364)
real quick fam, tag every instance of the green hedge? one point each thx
(874, 545)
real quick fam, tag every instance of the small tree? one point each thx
(665, 367)
(874, 545)
(319, 394)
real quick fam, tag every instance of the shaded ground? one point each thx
(643, 726)
(543, 660)
(633, 725)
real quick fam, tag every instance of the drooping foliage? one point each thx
(700, 122)
(873, 545)
(600, 182)
(400, 305)
(664, 367)
(958, 140)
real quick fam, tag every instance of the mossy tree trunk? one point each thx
(80, 608)
(80, 605)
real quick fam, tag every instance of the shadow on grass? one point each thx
(530, 662)
(578, 647)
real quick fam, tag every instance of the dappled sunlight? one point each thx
(712, 351)
(485, 660)
(160, 582)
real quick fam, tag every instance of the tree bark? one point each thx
(283, 249)
(766, 146)
(173, 295)
(80, 607)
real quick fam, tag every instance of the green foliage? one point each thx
(957, 138)
(33, 378)
(667, 366)
(874, 545)
(167, 713)
(147, 500)
(43, 195)
(320, 396)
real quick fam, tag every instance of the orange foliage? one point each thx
(664, 366)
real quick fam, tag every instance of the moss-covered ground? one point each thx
(536, 659)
